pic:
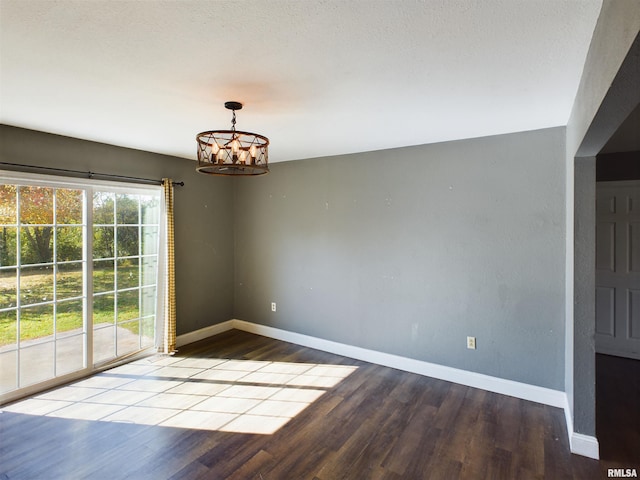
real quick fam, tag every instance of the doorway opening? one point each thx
(617, 299)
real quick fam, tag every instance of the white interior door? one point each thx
(618, 268)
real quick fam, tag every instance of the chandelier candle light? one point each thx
(232, 152)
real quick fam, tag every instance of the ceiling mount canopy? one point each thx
(232, 152)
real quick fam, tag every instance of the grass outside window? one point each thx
(37, 322)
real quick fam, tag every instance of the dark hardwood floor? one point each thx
(369, 422)
(618, 410)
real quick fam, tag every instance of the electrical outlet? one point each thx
(471, 343)
(273, 306)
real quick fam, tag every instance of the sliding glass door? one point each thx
(125, 264)
(78, 277)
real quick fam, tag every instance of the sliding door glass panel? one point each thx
(36, 363)
(69, 318)
(36, 205)
(70, 315)
(127, 209)
(69, 243)
(128, 273)
(147, 331)
(8, 372)
(149, 243)
(150, 208)
(8, 203)
(127, 241)
(8, 246)
(70, 336)
(69, 206)
(8, 287)
(128, 337)
(126, 236)
(104, 307)
(104, 276)
(36, 284)
(69, 354)
(36, 244)
(103, 208)
(149, 270)
(36, 324)
(104, 344)
(8, 330)
(148, 300)
(128, 331)
(8, 350)
(104, 310)
(150, 234)
(69, 280)
(104, 333)
(128, 305)
(103, 241)
(42, 274)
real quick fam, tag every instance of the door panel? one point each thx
(606, 251)
(605, 305)
(634, 314)
(618, 268)
(634, 247)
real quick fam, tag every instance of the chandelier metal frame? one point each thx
(232, 152)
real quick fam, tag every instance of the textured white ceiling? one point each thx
(317, 77)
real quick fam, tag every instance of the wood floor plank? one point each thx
(375, 423)
(193, 471)
(618, 410)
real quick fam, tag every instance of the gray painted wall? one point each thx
(408, 251)
(606, 95)
(584, 354)
(203, 214)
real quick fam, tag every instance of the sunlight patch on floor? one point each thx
(241, 396)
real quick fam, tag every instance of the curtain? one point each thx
(169, 284)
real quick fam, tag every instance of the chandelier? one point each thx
(232, 152)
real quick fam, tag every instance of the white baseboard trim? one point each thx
(580, 444)
(203, 333)
(584, 445)
(533, 393)
(568, 418)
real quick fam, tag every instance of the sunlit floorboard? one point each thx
(186, 392)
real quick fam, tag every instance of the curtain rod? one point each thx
(90, 174)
